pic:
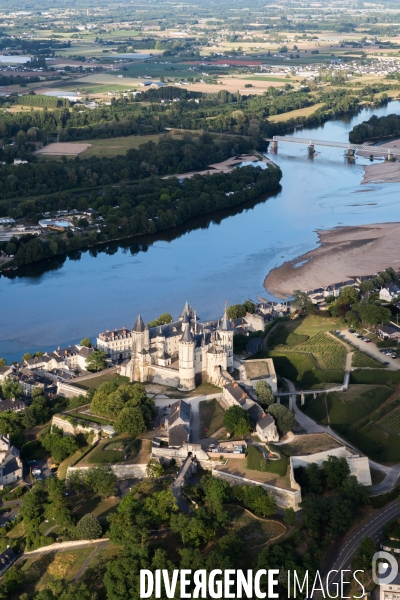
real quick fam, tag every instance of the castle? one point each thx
(181, 354)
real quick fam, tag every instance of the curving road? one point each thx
(373, 527)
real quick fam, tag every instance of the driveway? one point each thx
(371, 349)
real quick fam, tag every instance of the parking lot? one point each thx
(371, 349)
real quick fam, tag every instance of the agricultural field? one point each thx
(392, 421)
(301, 112)
(329, 353)
(367, 415)
(111, 147)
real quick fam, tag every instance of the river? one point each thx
(207, 262)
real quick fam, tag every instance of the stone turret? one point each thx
(187, 360)
(140, 351)
(226, 337)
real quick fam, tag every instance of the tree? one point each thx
(86, 342)
(11, 389)
(372, 314)
(238, 421)
(3, 362)
(290, 516)
(163, 319)
(154, 469)
(348, 295)
(301, 301)
(336, 470)
(10, 423)
(101, 480)
(131, 420)
(89, 527)
(353, 318)
(249, 306)
(362, 559)
(236, 311)
(283, 416)
(96, 361)
(264, 393)
(27, 356)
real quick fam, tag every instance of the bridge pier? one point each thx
(315, 395)
(390, 155)
(350, 154)
(278, 399)
(311, 150)
(290, 402)
(303, 399)
(274, 146)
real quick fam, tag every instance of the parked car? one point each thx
(386, 363)
(352, 330)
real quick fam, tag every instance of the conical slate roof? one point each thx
(226, 324)
(139, 325)
(187, 335)
(185, 318)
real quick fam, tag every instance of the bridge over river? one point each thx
(351, 148)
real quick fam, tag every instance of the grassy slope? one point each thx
(211, 417)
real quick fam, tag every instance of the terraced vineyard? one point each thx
(329, 353)
(392, 421)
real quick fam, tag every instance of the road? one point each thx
(253, 345)
(371, 349)
(373, 528)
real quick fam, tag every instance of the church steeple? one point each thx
(226, 324)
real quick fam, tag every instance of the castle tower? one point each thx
(187, 361)
(140, 347)
(226, 336)
(185, 321)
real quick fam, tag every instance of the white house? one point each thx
(387, 294)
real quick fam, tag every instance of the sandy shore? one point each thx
(344, 252)
(387, 172)
(223, 167)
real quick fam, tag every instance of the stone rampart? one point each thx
(284, 498)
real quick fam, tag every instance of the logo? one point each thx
(385, 571)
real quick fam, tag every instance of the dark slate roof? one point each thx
(239, 321)
(179, 410)
(11, 405)
(237, 392)
(256, 412)
(178, 435)
(226, 324)
(139, 325)
(10, 467)
(187, 336)
(185, 318)
(265, 421)
(165, 356)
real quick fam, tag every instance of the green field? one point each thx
(211, 417)
(360, 359)
(85, 417)
(96, 382)
(256, 462)
(118, 145)
(111, 452)
(329, 353)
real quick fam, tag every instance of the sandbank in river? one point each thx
(343, 252)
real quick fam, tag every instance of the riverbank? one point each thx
(343, 252)
(386, 172)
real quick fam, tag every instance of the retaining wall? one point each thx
(121, 471)
(284, 498)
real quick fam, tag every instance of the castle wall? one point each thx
(284, 498)
(69, 391)
(163, 376)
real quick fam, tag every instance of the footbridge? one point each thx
(303, 393)
(351, 148)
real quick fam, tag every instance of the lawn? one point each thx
(302, 369)
(90, 418)
(113, 451)
(372, 376)
(360, 359)
(253, 531)
(256, 462)
(40, 571)
(211, 417)
(205, 389)
(307, 444)
(96, 382)
(111, 147)
(95, 504)
(62, 469)
(347, 408)
(316, 409)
